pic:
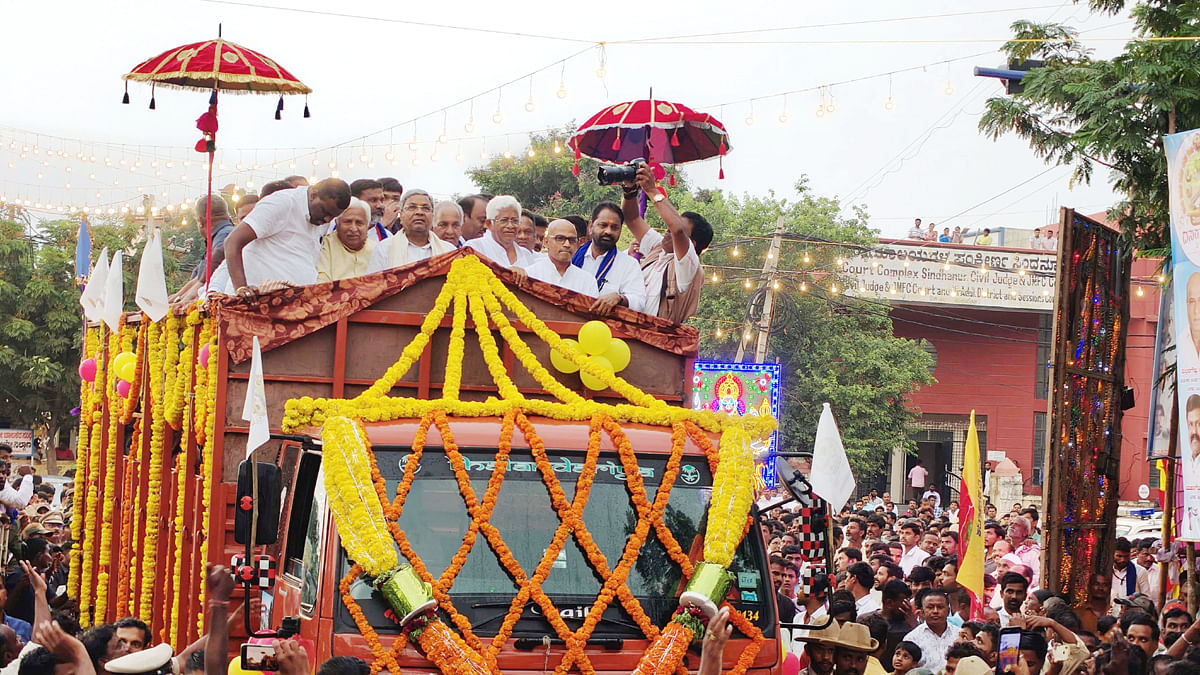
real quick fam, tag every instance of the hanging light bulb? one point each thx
(735, 251)
(889, 104)
(600, 72)
(562, 90)
(750, 115)
(458, 156)
(806, 258)
(949, 88)
(833, 289)
(531, 154)
(364, 157)
(433, 157)
(718, 332)
(529, 106)
(803, 287)
(389, 155)
(497, 117)
(841, 261)
(775, 286)
(557, 148)
(1140, 292)
(716, 278)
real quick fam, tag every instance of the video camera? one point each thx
(613, 175)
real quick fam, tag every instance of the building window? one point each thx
(1039, 447)
(1041, 378)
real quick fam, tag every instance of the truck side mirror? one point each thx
(270, 488)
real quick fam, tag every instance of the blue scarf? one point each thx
(1130, 579)
(606, 264)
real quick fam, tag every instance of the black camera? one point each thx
(613, 175)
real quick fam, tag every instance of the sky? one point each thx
(395, 72)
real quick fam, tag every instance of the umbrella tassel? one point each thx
(721, 150)
(671, 179)
(212, 98)
(616, 145)
(125, 98)
(675, 139)
(575, 168)
(721, 164)
(306, 113)
(152, 107)
(279, 108)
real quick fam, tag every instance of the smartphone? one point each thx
(259, 657)
(1009, 649)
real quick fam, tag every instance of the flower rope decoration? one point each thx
(368, 522)
(87, 403)
(207, 336)
(160, 358)
(109, 496)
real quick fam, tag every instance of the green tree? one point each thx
(833, 348)
(1080, 111)
(40, 316)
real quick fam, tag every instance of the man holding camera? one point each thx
(670, 265)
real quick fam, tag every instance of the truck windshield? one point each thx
(435, 520)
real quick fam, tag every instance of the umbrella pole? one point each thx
(208, 225)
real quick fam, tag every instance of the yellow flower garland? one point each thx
(174, 369)
(104, 559)
(160, 356)
(88, 542)
(360, 515)
(210, 401)
(183, 473)
(87, 402)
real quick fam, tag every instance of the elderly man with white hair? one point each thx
(414, 241)
(347, 250)
(447, 223)
(499, 243)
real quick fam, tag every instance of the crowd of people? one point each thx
(929, 233)
(894, 603)
(293, 234)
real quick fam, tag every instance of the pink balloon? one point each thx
(87, 370)
(791, 664)
(204, 354)
(123, 387)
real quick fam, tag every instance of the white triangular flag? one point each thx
(92, 299)
(114, 294)
(151, 293)
(831, 478)
(254, 410)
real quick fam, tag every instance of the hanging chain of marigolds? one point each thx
(161, 351)
(87, 407)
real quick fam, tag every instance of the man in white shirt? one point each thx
(18, 498)
(670, 265)
(499, 241)
(1050, 242)
(1128, 578)
(617, 274)
(414, 241)
(383, 212)
(280, 240)
(935, 634)
(910, 537)
(555, 267)
(860, 580)
(916, 232)
(475, 217)
(1037, 243)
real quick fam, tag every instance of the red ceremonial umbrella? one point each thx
(660, 132)
(216, 65)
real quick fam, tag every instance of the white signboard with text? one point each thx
(20, 440)
(970, 276)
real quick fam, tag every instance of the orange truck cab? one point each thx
(333, 342)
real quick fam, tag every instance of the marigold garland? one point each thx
(160, 356)
(87, 402)
(183, 474)
(112, 451)
(91, 511)
(171, 351)
(471, 289)
(210, 421)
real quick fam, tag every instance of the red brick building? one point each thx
(990, 333)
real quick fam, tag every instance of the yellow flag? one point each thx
(970, 523)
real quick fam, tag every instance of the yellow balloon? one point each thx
(617, 354)
(594, 337)
(128, 370)
(119, 361)
(561, 363)
(594, 383)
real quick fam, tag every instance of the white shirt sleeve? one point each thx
(379, 258)
(632, 286)
(270, 215)
(685, 268)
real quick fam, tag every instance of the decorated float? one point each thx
(470, 510)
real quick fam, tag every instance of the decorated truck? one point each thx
(452, 479)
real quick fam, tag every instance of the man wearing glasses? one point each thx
(414, 241)
(555, 267)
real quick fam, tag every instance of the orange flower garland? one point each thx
(209, 424)
(665, 653)
(471, 288)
